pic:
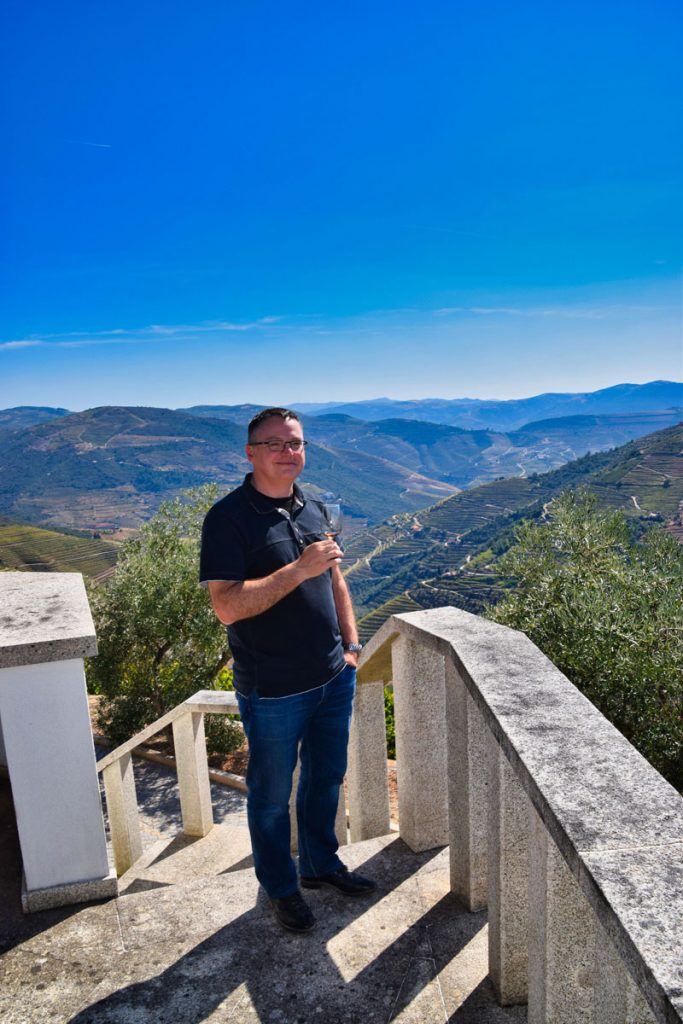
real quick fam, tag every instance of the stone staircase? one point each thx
(514, 793)
(191, 938)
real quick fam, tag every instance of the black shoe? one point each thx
(348, 883)
(293, 913)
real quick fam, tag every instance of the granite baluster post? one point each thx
(193, 774)
(467, 793)
(617, 998)
(421, 764)
(561, 936)
(367, 780)
(508, 897)
(122, 808)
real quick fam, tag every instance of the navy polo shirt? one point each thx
(296, 645)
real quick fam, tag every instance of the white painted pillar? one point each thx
(508, 898)
(367, 780)
(193, 774)
(46, 630)
(467, 793)
(51, 761)
(420, 713)
(561, 936)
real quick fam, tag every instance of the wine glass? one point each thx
(332, 526)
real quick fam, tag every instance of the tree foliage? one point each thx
(607, 610)
(158, 638)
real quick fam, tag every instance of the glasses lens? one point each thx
(279, 446)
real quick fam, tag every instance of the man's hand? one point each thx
(235, 601)
(318, 558)
(351, 658)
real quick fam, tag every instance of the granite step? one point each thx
(174, 861)
(193, 939)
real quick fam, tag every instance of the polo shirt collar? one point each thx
(262, 503)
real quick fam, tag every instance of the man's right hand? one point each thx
(317, 558)
(244, 599)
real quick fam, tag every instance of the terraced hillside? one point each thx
(35, 550)
(112, 466)
(446, 554)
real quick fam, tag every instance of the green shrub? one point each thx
(158, 638)
(607, 610)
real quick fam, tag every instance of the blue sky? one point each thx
(224, 202)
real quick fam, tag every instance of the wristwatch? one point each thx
(353, 648)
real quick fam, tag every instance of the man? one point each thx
(276, 582)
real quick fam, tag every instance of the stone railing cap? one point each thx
(44, 617)
(617, 822)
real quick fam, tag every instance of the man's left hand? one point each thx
(351, 658)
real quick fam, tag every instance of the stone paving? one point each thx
(192, 939)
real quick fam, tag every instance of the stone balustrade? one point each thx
(187, 723)
(554, 821)
(189, 742)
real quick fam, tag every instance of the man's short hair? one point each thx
(284, 414)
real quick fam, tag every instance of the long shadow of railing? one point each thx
(330, 975)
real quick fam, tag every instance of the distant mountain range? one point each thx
(110, 467)
(467, 413)
(468, 458)
(444, 553)
(479, 414)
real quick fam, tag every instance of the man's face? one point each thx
(275, 472)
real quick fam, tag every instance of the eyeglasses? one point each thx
(297, 445)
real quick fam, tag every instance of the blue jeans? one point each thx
(314, 724)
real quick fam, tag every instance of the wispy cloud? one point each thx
(213, 325)
(95, 145)
(20, 344)
(568, 312)
(554, 311)
(84, 341)
(138, 335)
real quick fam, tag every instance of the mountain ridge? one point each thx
(509, 414)
(658, 394)
(111, 466)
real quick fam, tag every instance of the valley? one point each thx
(429, 507)
(447, 554)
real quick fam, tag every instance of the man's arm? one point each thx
(234, 601)
(345, 614)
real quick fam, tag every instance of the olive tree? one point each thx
(607, 610)
(158, 639)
